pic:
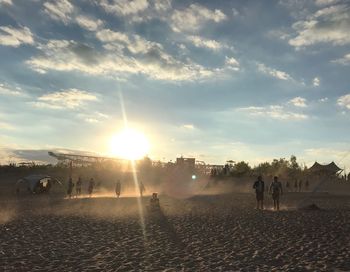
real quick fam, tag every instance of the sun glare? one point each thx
(129, 144)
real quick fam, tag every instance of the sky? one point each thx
(215, 80)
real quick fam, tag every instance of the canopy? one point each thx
(331, 168)
(37, 183)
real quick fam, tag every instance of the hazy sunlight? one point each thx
(129, 144)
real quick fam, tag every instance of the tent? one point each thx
(331, 168)
(36, 184)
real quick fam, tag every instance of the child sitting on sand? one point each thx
(154, 201)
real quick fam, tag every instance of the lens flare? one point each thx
(129, 144)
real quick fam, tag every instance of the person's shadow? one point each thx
(158, 217)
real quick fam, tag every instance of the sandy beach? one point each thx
(203, 233)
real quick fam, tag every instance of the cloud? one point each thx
(71, 99)
(274, 112)
(88, 23)
(188, 126)
(344, 101)
(327, 25)
(204, 43)
(6, 2)
(232, 63)
(9, 91)
(324, 99)
(124, 7)
(60, 10)
(10, 36)
(6, 126)
(316, 82)
(344, 60)
(194, 18)
(93, 118)
(273, 72)
(298, 102)
(325, 2)
(144, 57)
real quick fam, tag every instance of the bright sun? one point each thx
(129, 144)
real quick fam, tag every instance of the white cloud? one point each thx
(316, 82)
(60, 10)
(327, 25)
(89, 23)
(162, 5)
(10, 36)
(194, 17)
(123, 7)
(273, 72)
(324, 99)
(204, 43)
(6, 126)
(71, 99)
(93, 118)
(7, 90)
(325, 2)
(274, 112)
(6, 2)
(298, 102)
(231, 62)
(344, 101)
(188, 126)
(151, 60)
(344, 60)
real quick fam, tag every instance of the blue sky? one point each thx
(218, 80)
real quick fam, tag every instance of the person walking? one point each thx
(259, 187)
(91, 186)
(141, 188)
(70, 187)
(276, 191)
(118, 188)
(78, 187)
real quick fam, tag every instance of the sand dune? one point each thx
(204, 233)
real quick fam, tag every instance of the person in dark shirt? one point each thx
(91, 186)
(78, 187)
(70, 187)
(259, 187)
(118, 187)
(276, 191)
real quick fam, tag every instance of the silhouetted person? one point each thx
(276, 191)
(307, 185)
(118, 188)
(154, 201)
(287, 185)
(141, 188)
(70, 187)
(91, 186)
(296, 185)
(259, 187)
(300, 184)
(78, 187)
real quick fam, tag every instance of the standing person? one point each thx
(259, 187)
(141, 188)
(91, 186)
(300, 185)
(307, 185)
(296, 185)
(118, 187)
(287, 185)
(276, 191)
(70, 187)
(78, 187)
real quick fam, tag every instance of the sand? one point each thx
(203, 233)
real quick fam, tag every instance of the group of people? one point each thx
(78, 186)
(91, 186)
(298, 185)
(275, 190)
